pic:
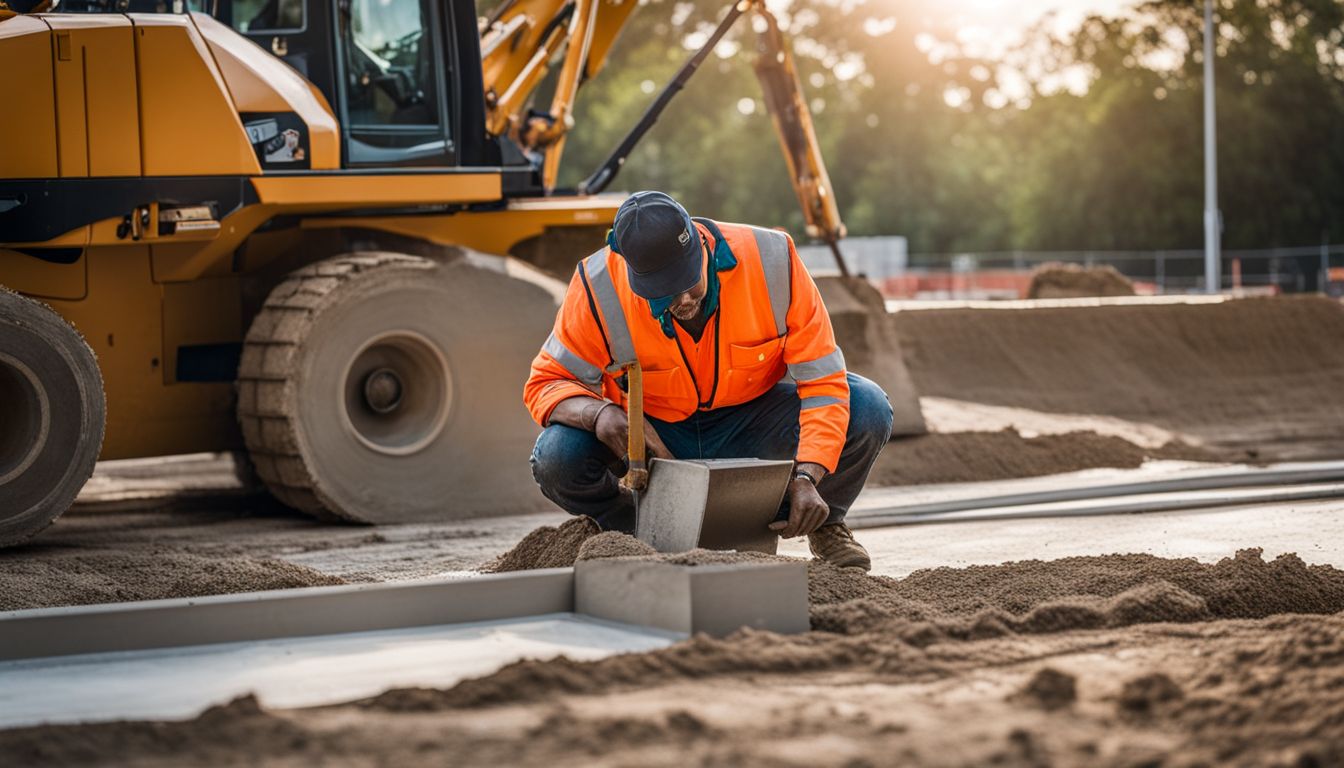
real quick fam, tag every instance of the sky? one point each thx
(991, 25)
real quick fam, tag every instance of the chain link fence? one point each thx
(1006, 274)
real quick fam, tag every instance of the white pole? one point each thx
(1212, 218)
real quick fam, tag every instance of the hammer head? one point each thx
(712, 504)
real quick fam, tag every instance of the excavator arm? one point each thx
(522, 38)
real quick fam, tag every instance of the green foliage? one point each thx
(1118, 164)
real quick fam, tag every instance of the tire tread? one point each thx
(265, 406)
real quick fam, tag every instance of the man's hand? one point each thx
(807, 510)
(613, 429)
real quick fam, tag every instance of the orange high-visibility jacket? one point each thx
(770, 321)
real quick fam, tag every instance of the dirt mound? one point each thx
(582, 539)
(1275, 692)
(613, 544)
(1055, 280)
(547, 547)
(1049, 689)
(1034, 596)
(1249, 377)
(745, 652)
(221, 735)
(1144, 696)
(960, 457)
(106, 577)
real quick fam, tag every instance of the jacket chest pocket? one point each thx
(670, 388)
(752, 369)
(748, 357)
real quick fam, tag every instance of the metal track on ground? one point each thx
(1112, 505)
(1226, 478)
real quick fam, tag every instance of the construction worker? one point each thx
(738, 360)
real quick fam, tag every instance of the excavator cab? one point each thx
(389, 70)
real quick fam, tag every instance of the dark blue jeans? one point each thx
(580, 474)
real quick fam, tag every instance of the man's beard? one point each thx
(688, 313)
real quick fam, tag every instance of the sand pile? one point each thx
(613, 544)
(226, 734)
(83, 578)
(547, 547)
(975, 456)
(1250, 378)
(1241, 587)
(1278, 692)
(1036, 596)
(1049, 689)
(1055, 280)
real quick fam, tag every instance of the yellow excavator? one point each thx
(325, 233)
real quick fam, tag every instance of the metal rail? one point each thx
(1230, 477)
(1132, 505)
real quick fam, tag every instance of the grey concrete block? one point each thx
(715, 599)
(712, 504)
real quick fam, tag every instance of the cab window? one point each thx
(393, 82)
(252, 16)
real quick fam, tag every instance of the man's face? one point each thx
(686, 305)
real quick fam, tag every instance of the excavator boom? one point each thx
(521, 38)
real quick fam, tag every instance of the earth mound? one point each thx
(83, 578)
(547, 547)
(1246, 378)
(1055, 280)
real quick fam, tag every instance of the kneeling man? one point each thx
(716, 314)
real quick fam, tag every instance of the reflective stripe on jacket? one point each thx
(770, 322)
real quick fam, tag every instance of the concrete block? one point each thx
(712, 504)
(716, 599)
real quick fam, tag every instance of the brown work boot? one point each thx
(835, 544)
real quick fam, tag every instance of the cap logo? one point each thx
(684, 237)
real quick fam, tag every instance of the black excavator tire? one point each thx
(380, 387)
(52, 416)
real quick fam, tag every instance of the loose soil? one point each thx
(1248, 378)
(112, 577)
(547, 547)
(1117, 660)
(1063, 281)
(959, 457)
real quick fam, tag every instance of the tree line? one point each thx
(1087, 139)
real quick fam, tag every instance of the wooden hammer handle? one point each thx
(638, 475)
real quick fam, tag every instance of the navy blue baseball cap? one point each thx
(660, 245)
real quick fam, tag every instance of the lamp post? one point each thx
(1212, 218)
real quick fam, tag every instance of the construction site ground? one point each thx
(1194, 637)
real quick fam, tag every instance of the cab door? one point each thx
(393, 71)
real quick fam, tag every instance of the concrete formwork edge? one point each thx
(716, 599)
(254, 616)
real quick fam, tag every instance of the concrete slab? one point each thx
(715, 599)
(178, 683)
